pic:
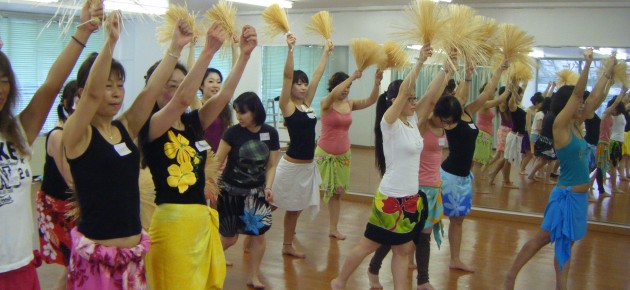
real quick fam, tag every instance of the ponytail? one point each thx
(382, 104)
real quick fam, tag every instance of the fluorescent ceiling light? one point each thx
(448, 1)
(265, 3)
(537, 53)
(156, 7)
(44, 1)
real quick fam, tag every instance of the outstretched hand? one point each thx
(183, 34)
(248, 40)
(378, 77)
(291, 41)
(588, 55)
(215, 36)
(328, 49)
(113, 24)
(91, 16)
(426, 52)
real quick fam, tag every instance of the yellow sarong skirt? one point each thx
(186, 251)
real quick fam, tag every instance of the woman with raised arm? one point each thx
(104, 163)
(296, 184)
(332, 154)
(432, 111)
(175, 151)
(397, 204)
(528, 152)
(564, 221)
(252, 150)
(499, 163)
(615, 113)
(485, 122)
(17, 134)
(455, 170)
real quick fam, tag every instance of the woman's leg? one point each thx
(256, 253)
(529, 250)
(499, 165)
(455, 242)
(375, 266)
(63, 280)
(227, 242)
(538, 164)
(290, 223)
(334, 207)
(562, 276)
(527, 156)
(353, 260)
(400, 262)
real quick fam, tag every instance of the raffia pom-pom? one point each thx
(620, 73)
(224, 13)
(426, 20)
(520, 72)
(567, 77)
(397, 57)
(321, 24)
(488, 34)
(277, 21)
(463, 34)
(173, 15)
(366, 52)
(515, 43)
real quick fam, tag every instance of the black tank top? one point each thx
(461, 146)
(182, 151)
(519, 118)
(107, 187)
(592, 130)
(53, 183)
(547, 125)
(301, 126)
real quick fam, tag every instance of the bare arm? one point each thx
(213, 107)
(186, 92)
(563, 119)
(547, 89)
(234, 47)
(401, 99)
(36, 112)
(285, 104)
(488, 91)
(77, 132)
(139, 112)
(550, 92)
(319, 71)
(54, 149)
(222, 152)
(361, 104)
(270, 174)
(600, 91)
(463, 89)
(425, 105)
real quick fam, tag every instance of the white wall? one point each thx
(588, 26)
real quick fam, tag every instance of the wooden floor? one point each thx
(531, 197)
(600, 259)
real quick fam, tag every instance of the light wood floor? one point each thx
(531, 197)
(600, 259)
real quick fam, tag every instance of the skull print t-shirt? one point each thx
(247, 160)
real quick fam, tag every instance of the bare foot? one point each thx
(335, 284)
(412, 266)
(460, 266)
(375, 283)
(255, 283)
(425, 286)
(510, 185)
(289, 250)
(337, 235)
(523, 172)
(228, 263)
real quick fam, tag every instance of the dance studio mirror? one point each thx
(530, 197)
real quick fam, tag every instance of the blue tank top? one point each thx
(573, 162)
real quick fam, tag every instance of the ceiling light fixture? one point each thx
(537, 53)
(265, 3)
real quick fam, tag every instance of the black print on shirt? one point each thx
(11, 173)
(252, 160)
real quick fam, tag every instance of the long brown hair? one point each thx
(9, 127)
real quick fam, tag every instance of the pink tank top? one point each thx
(431, 158)
(334, 138)
(484, 121)
(605, 129)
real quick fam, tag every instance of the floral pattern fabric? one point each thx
(54, 229)
(457, 194)
(248, 214)
(183, 174)
(335, 172)
(94, 266)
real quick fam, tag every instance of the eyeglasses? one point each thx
(412, 100)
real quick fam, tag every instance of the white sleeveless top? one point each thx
(16, 213)
(618, 127)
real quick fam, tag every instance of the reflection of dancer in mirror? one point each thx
(455, 170)
(296, 186)
(433, 112)
(626, 143)
(528, 154)
(17, 135)
(485, 122)
(615, 113)
(564, 221)
(397, 205)
(333, 147)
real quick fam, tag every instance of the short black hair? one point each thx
(151, 69)
(299, 75)
(86, 66)
(250, 102)
(560, 99)
(536, 98)
(448, 106)
(336, 79)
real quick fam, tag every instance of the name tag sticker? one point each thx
(442, 142)
(202, 145)
(311, 115)
(122, 149)
(472, 126)
(265, 136)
